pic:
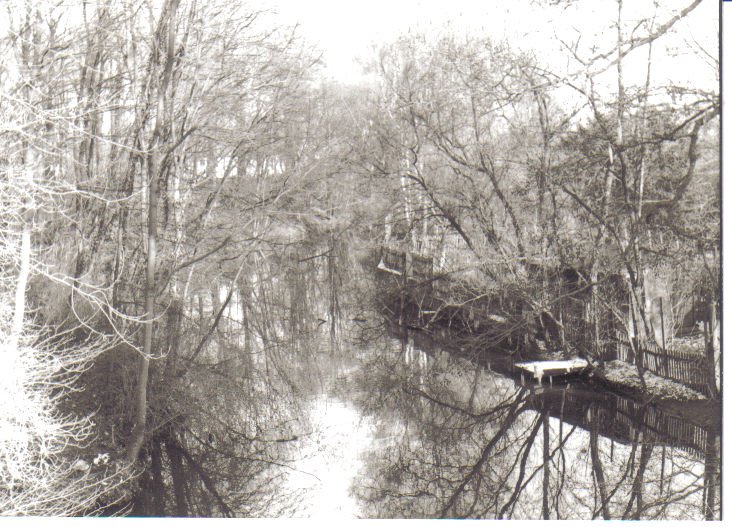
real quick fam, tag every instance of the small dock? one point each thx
(551, 368)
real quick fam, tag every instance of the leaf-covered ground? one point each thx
(622, 373)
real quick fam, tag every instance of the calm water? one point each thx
(399, 428)
(409, 434)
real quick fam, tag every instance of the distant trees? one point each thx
(456, 121)
(537, 170)
(185, 205)
(131, 119)
(451, 107)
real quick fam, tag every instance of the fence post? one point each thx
(663, 339)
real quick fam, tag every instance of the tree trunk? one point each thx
(138, 431)
(597, 468)
(709, 330)
(711, 476)
(157, 492)
(173, 451)
(545, 482)
(25, 253)
(636, 494)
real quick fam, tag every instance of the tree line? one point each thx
(186, 200)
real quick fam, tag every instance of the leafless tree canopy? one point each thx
(200, 236)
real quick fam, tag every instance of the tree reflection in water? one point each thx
(227, 459)
(227, 419)
(443, 437)
(465, 442)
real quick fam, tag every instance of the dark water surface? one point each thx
(467, 441)
(400, 428)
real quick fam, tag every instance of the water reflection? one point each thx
(330, 456)
(228, 458)
(469, 442)
(244, 353)
(402, 428)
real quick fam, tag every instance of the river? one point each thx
(404, 433)
(369, 422)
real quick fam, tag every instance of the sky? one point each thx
(345, 30)
(348, 29)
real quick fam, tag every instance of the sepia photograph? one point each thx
(340, 260)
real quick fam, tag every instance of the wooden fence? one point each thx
(620, 418)
(394, 259)
(690, 437)
(687, 368)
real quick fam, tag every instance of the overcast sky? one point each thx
(345, 30)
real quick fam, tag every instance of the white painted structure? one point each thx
(552, 368)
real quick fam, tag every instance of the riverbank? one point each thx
(616, 378)
(421, 308)
(625, 375)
